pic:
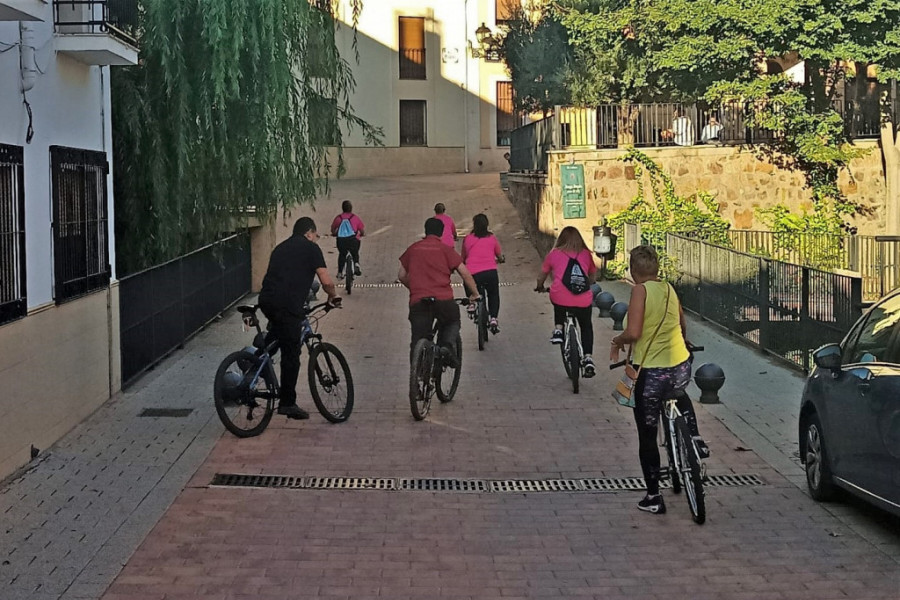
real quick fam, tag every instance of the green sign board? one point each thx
(572, 179)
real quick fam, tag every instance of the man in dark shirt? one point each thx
(293, 265)
(425, 269)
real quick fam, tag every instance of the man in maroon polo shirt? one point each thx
(425, 269)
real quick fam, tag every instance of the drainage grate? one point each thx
(400, 285)
(166, 412)
(472, 486)
(445, 485)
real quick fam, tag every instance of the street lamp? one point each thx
(488, 44)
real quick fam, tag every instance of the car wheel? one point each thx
(818, 471)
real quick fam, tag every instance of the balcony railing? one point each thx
(412, 63)
(118, 18)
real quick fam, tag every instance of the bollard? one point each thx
(603, 301)
(709, 378)
(617, 313)
(595, 289)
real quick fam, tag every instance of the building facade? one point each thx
(429, 75)
(59, 356)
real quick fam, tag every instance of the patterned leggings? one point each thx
(654, 386)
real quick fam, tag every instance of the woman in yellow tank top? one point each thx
(655, 328)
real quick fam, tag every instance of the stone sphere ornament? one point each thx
(709, 378)
(617, 312)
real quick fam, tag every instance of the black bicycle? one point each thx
(572, 353)
(246, 387)
(349, 272)
(429, 373)
(480, 316)
(685, 466)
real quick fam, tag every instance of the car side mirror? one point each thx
(828, 357)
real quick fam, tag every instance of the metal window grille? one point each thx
(412, 48)
(507, 118)
(80, 221)
(412, 123)
(12, 233)
(506, 11)
(118, 18)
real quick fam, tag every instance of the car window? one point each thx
(874, 338)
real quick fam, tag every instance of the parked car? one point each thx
(850, 411)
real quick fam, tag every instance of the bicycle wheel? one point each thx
(481, 324)
(674, 475)
(330, 382)
(420, 378)
(244, 405)
(690, 471)
(573, 357)
(349, 272)
(447, 379)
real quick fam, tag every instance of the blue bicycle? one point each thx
(246, 387)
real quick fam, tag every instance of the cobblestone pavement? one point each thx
(73, 520)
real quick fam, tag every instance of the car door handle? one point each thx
(864, 388)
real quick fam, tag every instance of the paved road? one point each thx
(73, 521)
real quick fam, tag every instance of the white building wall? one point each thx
(70, 105)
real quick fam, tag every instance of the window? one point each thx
(412, 123)
(12, 233)
(412, 48)
(507, 10)
(874, 338)
(321, 51)
(506, 113)
(323, 121)
(80, 242)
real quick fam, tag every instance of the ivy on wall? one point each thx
(231, 112)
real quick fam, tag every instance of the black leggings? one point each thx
(344, 244)
(488, 283)
(668, 382)
(582, 314)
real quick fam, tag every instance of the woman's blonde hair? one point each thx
(570, 239)
(644, 261)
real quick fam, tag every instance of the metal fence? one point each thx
(876, 258)
(529, 145)
(115, 17)
(785, 309)
(162, 307)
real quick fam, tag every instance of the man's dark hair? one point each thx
(304, 225)
(439, 208)
(434, 227)
(346, 206)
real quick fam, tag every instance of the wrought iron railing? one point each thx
(118, 18)
(13, 303)
(412, 63)
(529, 145)
(165, 305)
(785, 309)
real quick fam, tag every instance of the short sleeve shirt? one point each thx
(429, 264)
(481, 253)
(355, 222)
(556, 262)
(292, 268)
(449, 236)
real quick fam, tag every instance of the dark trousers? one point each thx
(421, 321)
(345, 244)
(287, 328)
(583, 316)
(488, 283)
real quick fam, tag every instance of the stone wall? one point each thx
(739, 179)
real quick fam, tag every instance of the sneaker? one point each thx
(556, 337)
(702, 448)
(357, 271)
(653, 504)
(292, 411)
(449, 358)
(494, 326)
(588, 365)
(470, 308)
(340, 275)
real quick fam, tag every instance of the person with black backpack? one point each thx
(348, 229)
(573, 269)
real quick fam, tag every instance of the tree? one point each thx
(223, 116)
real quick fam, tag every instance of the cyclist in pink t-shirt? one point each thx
(570, 245)
(348, 237)
(481, 252)
(450, 236)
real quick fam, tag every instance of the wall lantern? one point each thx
(488, 44)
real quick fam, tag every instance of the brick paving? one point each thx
(514, 418)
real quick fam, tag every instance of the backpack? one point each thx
(346, 229)
(574, 278)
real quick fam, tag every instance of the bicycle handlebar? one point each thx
(691, 348)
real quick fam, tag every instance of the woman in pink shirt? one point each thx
(449, 236)
(481, 253)
(570, 245)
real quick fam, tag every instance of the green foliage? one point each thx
(665, 211)
(215, 122)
